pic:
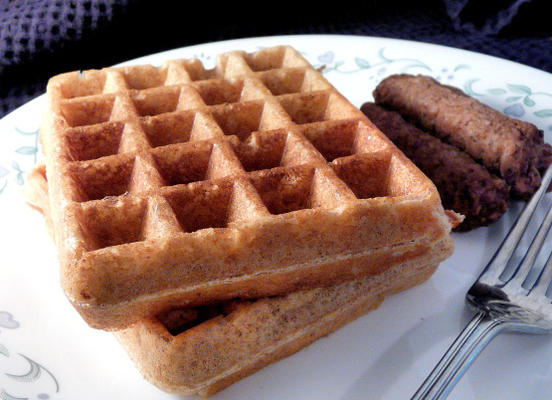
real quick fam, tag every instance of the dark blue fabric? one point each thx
(493, 16)
(40, 38)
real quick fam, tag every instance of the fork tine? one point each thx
(544, 279)
(494, 269)
(522, 274)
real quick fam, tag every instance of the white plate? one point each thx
(48, 352)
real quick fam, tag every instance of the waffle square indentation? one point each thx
(181, 319)
(261, 150)
(201, 205)
(183, 164)
(85, 83)
(273, 58)
(113, 221)
(89, 110)
(292, 80)
(312, 107)
(284, 190)
(197, 71)
(156, 100)
(239, 119)
(333, 139)
(306, 108)
(168, 128)
(95, 141)
(144, 76)
(365, 174)
(96, 179)
(218, 91)
(265, 60)
(283, 81)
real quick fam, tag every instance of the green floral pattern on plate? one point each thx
(33, 374)
(24, 157)
(521, 99)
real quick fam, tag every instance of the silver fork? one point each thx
(505, 299)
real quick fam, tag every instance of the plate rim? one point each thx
(232, 42)
(335, 36)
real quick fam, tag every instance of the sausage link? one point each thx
(512, 149)
(464, 185)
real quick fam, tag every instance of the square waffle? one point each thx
(179, 185)
(207, 348)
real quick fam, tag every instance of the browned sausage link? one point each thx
(510, 148)
(464, 185)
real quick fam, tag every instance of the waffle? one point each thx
(179, 185)
(205, 349)
(245, 336)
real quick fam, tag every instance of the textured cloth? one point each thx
(39, 39)
(487, 17)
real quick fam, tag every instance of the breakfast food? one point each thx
(464, 185)
(242, 337)
(512, 149)
(180, 186)
(205, 349)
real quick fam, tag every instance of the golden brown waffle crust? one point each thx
(214, 354)
(221, 351)
(289, 185)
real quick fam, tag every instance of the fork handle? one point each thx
(463, 351)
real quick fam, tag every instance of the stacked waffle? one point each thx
(220, 219)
